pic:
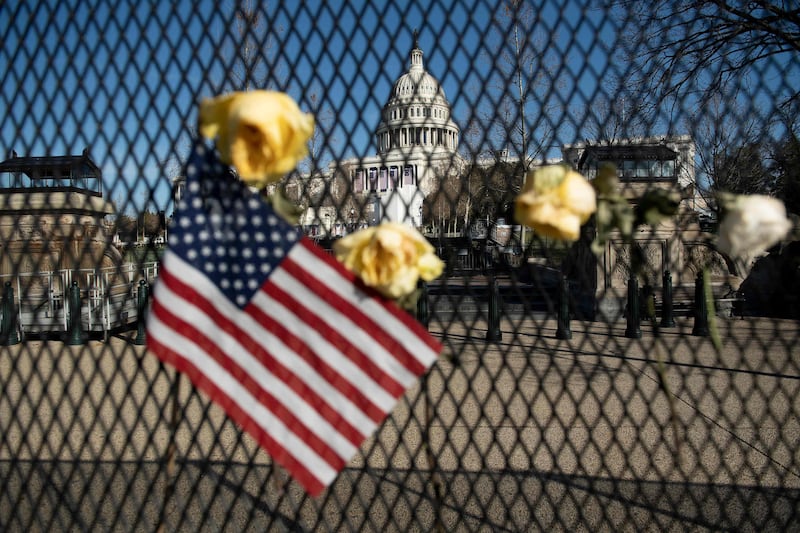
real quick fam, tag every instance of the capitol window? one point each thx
(408, 176)
(358, 181)
(373, 179)
(384, 179)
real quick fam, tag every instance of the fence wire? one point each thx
(579, 388)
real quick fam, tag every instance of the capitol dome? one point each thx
(417, 114)
(417, 83)
(417, 147)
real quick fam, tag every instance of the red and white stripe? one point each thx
(309, 367)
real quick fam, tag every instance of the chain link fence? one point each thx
(579, 389)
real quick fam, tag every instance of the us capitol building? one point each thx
(417, 143)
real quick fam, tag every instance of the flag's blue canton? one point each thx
(227, 231)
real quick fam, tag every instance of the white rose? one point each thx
(751, 225)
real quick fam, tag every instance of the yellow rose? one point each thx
(263, 134)
(391, 258)
(555, 201)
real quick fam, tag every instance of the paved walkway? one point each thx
(527, 433)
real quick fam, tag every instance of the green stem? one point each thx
(438, 490)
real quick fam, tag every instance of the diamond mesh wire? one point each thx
(522, 425)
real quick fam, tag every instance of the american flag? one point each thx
(289, 343)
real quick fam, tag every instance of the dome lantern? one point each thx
(416, 56)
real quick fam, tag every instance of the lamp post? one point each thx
(563, 330)
(700, 328)
(163, 219)
(9, 324)
(633, 329)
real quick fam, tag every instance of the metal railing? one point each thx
(560, 402)
(109, 294)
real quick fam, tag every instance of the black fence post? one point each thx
(74, 333)
(142, 294)
(700, 328)
(9, 326)
(423, 312)
(667, 313)
(563, 330)
(633, 331)
(493, 332)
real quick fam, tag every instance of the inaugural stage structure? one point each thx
(55, 237)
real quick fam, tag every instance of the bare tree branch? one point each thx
(700, 46)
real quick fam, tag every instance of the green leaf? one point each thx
(548, 177)
(606, 182)
(285, 208)
(657, 205)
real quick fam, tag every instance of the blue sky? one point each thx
(125, 78)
